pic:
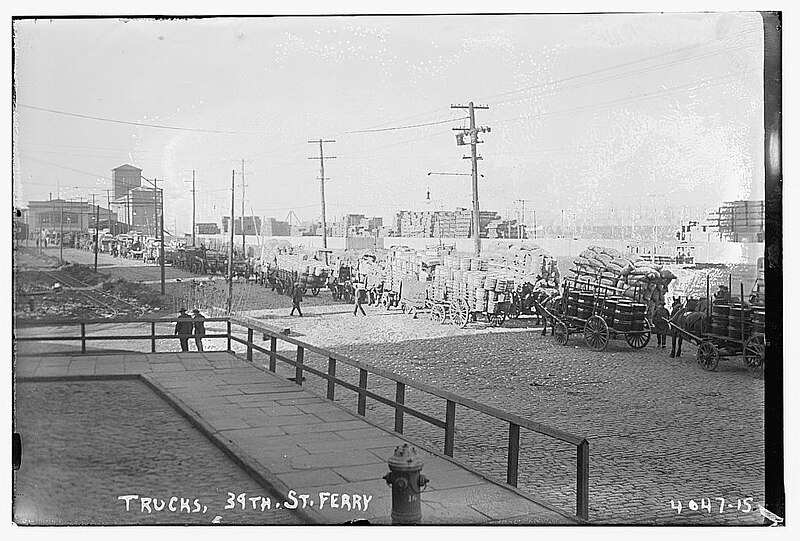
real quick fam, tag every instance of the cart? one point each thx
(729, 330)
(415, 297)
(601, 313)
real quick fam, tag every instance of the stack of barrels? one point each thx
(729, 320)
(736, 314)
(629, 316)
(758, 319)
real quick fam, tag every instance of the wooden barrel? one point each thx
(735, 332)
(622, 324)
(721, 310)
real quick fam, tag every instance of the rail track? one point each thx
(103, 300)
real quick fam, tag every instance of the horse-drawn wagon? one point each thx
(724, 330)
(600, 313)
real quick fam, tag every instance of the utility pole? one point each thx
(96, 230)
(523, 201)
(161, 245)
(534, 223)
(61, 239)
(155, 208)
(322, 180)
(244, 245)
(108, 202)
(473, 142)
(194, 224)
(230, 251)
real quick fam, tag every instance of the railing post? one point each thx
(273, 348)
(83, 337)
(228, 325)
(400, 398)
(362, 398)
(249, 344)
(152, 336)
(298, 371)
(513, 454)
(583, 480)
(450, 428)
(331, 375)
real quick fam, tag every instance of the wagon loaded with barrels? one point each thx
(600, 313)
(730, 329)
(287, 270)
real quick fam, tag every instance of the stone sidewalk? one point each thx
(317, 456)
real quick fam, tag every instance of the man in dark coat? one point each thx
(297, 298)
(183, 328)
(199, 322)
(660, 320)
(360, 297)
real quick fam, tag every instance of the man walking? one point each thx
(360, 296)
(199, 322)
(297, 298)
(183, 328)
(660, 320)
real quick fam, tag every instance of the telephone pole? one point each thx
(473, 132)
(522, 222)
(230, 251)
(322, 180)
(96, 230)
(244, 246)
(108, 202)
(194, 225)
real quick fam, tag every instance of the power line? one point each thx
(129, 123)
(619, 76)
(616, 66)
(631, 99)
(411, 126)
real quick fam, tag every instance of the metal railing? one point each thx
(515, 422)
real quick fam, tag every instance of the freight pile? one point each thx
(403, 262)
(308, 272)
(484, 282)
(632, 276)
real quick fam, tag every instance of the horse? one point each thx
(687, 319)
(548, 307)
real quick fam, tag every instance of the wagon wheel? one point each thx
(315, 291)
(497, 319)
(459, 313)
(596, 334)
(438, 314)
(753, 354)
(638, 340)
(708, 356)
(560, 332)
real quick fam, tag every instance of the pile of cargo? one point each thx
(308, 272)
(526, 262)
(632, 276)
(403, 262)
(490, 279)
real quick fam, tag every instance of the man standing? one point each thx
(360, 296)
(660, 320)
(297, 298)
(183, 328)
(199, 328)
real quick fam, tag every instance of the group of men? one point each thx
(190, 326)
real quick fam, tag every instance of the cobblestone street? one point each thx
(87, 443)
(661, 430)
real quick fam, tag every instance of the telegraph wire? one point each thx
(409, 126)
(129, 123)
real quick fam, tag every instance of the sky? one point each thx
(587, 112)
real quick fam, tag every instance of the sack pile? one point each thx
(631, 275)
(310, 272)
(525, 262)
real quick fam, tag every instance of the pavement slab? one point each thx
(301, 442)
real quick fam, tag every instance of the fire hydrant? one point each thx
(407, 483)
